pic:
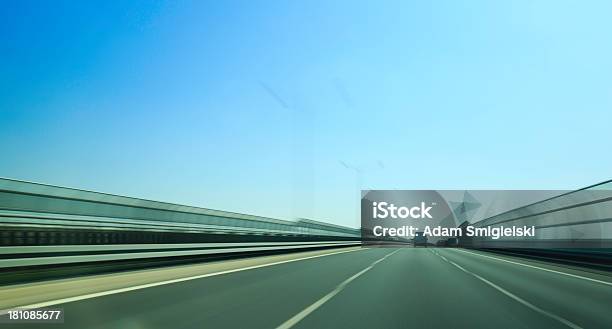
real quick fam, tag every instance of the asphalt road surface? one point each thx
(363, 288)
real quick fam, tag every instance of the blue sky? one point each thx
(251, 106)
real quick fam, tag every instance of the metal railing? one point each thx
(577, 219)
(39, 214)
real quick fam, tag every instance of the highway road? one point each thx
(359, 288)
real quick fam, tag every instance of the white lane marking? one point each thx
(513, 296)
(438, 254)
(305, 312)
(160, 283)
(539, 268)
(518, 299)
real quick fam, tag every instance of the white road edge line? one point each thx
(305, 312)
(539, 268)
(518, 299)
(160, 283)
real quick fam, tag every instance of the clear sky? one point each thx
(254, 106)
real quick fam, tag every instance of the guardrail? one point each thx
(12, 257)
(39, 214)
(577, 219)
(55, 232)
